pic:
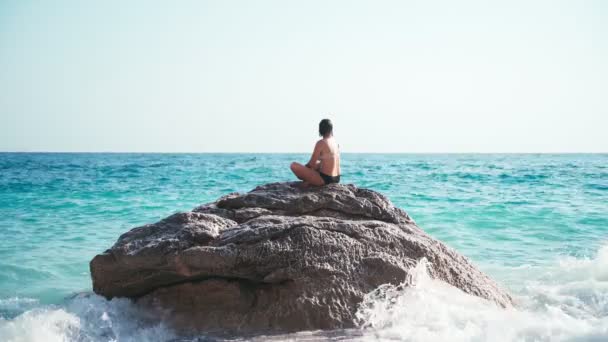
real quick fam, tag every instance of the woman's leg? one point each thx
(309, 176)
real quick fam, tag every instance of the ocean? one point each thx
(536, 223)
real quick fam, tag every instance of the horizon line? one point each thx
(307, 152)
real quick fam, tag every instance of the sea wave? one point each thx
(564, 301)
(85, 318)
(568, 301)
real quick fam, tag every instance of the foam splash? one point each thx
(578, 286)
(569, 301)
(41, 325)
(565, 301)
(84, 318)
(10, 307)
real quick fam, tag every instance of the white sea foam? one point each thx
(41, 325)
(84, 318)
(565, 301)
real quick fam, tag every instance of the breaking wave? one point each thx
(565, 301)
(83, 318)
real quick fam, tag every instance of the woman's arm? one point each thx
(316, 153)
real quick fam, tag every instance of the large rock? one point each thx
(277, 259)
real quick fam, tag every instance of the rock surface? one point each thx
(277, 259)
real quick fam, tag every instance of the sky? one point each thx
(257, 76)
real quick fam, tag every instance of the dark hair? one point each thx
(325, 127)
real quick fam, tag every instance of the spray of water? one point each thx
(565, 301)
(568, 302)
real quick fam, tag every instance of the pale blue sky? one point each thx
(257, 76)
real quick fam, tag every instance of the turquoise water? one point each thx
(538, 224)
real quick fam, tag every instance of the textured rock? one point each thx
(277, 259)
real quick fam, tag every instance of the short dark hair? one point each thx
(325, 127)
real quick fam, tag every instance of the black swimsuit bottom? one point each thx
(329, 179)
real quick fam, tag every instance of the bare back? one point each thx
(329, 156)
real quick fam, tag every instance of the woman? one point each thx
(324, 165)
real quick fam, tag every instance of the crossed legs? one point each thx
(308, 175)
